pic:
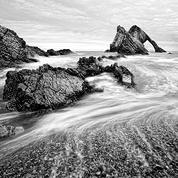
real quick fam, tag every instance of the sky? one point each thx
(89, 24)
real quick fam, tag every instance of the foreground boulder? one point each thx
(52, 52)
(50, 88)
(131, 42)
(7, 131)
(44, 88)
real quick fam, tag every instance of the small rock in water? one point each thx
(7, 131)
(52, 52)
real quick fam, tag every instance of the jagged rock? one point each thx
(89, 66)
(7, 131)
(93, 66)
(124, 43)
(119, 72)
(52, 52)
(140, 35)
(12, 49)
(46, 87)
(50, 88)
(131, 42)
(32, 51)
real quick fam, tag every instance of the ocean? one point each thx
(120, 126)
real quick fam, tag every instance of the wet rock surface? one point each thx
(48, 87)
(8, 131)
(131, 42)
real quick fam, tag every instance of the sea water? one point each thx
(154, 99)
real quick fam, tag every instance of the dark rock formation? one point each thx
(114, 57)
(7, 131)
(140, 35)
(92, 66)
(52, 52)
(48, 87)
(119, 72)
(132, 42)
(32, 51)
(89, 66)
(124, 43)
(107, 51)
(12, 49)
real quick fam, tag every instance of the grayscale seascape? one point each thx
(88, 110)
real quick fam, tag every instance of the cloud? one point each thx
(88, 21)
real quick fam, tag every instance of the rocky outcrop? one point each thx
(7, 131)
(131, 42)
(140, 35)
(12, 49)
(52, 52)
(124, 43)
(50, 88)
(32, 51)
(119, 72)
(44, 88)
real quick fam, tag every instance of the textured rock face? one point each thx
(124, 43)
(48, 87)
(7, 131)
(12, 49)
(132, 42)
(52, 52)
(93, 66)
(14, 45)
(89, 66)
(140, 35)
